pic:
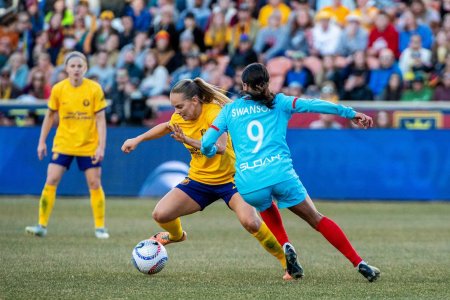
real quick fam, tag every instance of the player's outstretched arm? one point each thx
(156, 132)
(45, 129)
(322, 107)
(178, 135)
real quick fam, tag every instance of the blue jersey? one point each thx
(259, 137)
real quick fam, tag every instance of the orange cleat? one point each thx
(163, 238)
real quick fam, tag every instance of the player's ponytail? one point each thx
(207, 93)
(257, 78)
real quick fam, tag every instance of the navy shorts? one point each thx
(205, 194)
(84, 162)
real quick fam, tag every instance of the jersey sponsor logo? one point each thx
(259, 162)
(86, 102)
(195, 152)
(78, 115)
(254, 109)
(202, 131)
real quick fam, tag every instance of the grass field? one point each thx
(409, 242)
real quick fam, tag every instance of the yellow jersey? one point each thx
(77, 130)
(216, 170)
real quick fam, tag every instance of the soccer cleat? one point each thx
(101, 233)
(163, 238)
(293, 267)
(36, 230)
(370, 272)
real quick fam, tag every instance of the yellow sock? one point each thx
(46, 203)
(270, 243)
(98, 207)
(174, 228)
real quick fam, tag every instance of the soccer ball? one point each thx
(149, 257)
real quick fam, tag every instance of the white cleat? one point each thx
(101, 233)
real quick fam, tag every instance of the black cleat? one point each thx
(370, 272)
(293, 267)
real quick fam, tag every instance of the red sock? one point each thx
(334, 234)
(272, 218)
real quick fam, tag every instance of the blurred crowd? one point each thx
(333, 49)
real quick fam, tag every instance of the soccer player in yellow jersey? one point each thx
(81, 134)
(197, 104)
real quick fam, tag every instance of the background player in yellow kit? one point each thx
(197, 104)
(81, 134)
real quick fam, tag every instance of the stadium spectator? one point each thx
(444, 8)
(394, 89)
(112, 47)
(81, 133)
(102, 70)
(126, 36)
(412, 27)
(36, 16)
(228, 10)
(26, 35)
(418, 91)
(355, 88)
(139, 47)
(100, 37)
(440, 51)
(55, 37)
(379, 77)
(191, 27)
(236, 88)
(271, 40)
(40, 46)
(329, 72)
(83, 12)
(337, 11)
(119, 110)
(425, 15)
(216, 35)
(325, 121)
(271, 8)
(415, 58)
(165, 54)
(187, 45)
(295, 89)
(190, 70)
(353, 38)
(326, 35)
(199, 11)
(8, 90)
(66, 17)
(134, 72)
(382, 120)
(258, 184)
(299, 73)
(80, 34)
(5, 50)
(19, 70)
(355, 63)
(39, 88)
(245, 25)
(367, 12)
(383, 35)
(166, 22)
(140, 15)
(43, 65)
(244, 55)
(156, 77)
(300, 32)
(442, 91)
(350, 4)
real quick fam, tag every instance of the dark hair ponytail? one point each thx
(257, 78)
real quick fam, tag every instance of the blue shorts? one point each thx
(287, 193)
(84, 162)
(205, 194)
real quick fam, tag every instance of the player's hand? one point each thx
(129, 145)
(362, 120)
(99, 154)
(178, 133)
(42, 150)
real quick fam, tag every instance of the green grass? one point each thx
(409, 242)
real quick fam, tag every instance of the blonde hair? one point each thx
(206, 92)
(74, 54)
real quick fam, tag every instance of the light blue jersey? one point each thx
(259, 137)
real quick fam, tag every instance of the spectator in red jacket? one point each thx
(383, 35)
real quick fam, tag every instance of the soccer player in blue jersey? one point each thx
(257, 124)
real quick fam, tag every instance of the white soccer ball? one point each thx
(149, 257)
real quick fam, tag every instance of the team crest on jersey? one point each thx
(55, 156)
(202, 131)
(86, 102)
(185, 181)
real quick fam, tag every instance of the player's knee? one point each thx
(252, 225)
(94, 184)
(52, 181)
(160, 216)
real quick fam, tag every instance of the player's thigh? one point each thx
(54, 174)
(245, 213)
(93, 177)
(174, 204)
(260, 199)
(307, 211)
